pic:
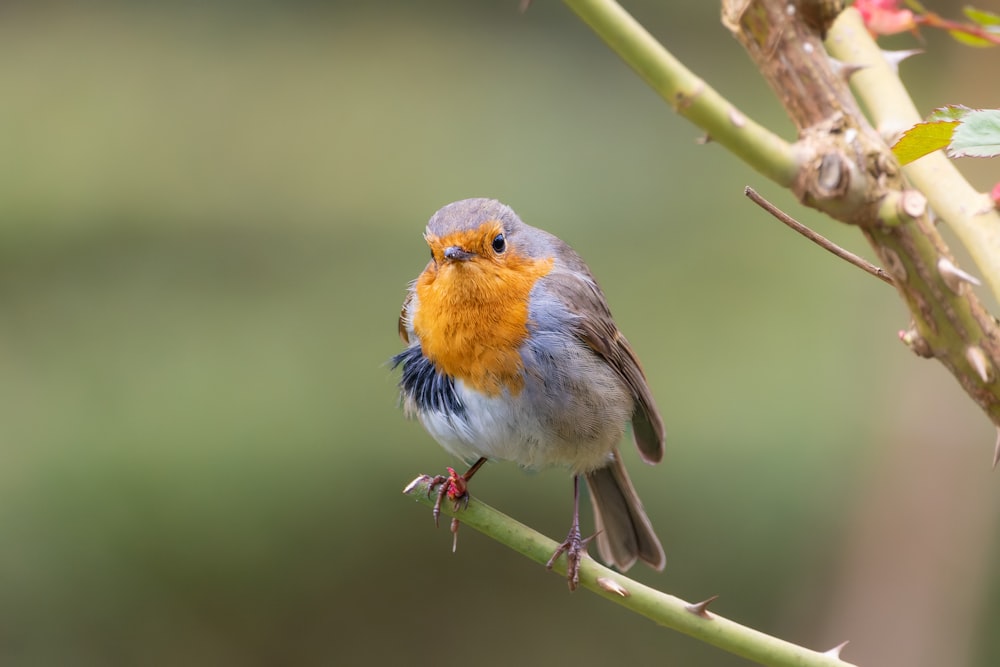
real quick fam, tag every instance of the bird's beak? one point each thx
(455, 253)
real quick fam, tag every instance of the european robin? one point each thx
(512, 354)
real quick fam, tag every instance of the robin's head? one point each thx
(476, 234)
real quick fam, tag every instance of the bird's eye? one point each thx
(499, 244)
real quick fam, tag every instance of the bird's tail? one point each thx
(624, 533)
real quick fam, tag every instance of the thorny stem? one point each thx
(691, 619)
(854, 178)
(970, 214)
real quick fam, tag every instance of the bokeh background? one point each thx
(208, 216)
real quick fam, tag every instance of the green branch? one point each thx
(664, 609)
(688, 94)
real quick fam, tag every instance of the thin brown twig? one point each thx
(818, 239)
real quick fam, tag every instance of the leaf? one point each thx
(982, 17)
(950, 112)
(978, 135)
(969, 40)
(924, 138)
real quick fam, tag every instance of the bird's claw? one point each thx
(455, 487)
(575, 548)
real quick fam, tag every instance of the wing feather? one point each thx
(597, 329)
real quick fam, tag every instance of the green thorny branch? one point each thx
(693, 619)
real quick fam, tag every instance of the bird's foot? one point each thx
(575, 548)
(455, 487)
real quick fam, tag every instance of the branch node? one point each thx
(833, 176)
(917, 343)
(894, 264)
(683, 99)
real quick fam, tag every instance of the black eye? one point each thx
(499, 244)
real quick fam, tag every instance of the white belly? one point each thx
(553, 421)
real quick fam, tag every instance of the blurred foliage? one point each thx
(208, 216)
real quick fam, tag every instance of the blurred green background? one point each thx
(209, 213)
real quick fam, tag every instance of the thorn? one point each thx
(415, 483)
(893, 58)
(996, 450)
(737, 119)
(612, 586)
(706, 139)
(845, 70)
(701, 608)
(835, 651)
(977, 359)
(953, 276)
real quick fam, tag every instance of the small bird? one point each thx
(512, 354)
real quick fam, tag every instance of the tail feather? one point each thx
(624, 532)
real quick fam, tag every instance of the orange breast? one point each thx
(473, 317)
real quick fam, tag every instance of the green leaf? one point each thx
(969, 40)
(982, 17)
(950, 112)
(978, 135)
(923, 138)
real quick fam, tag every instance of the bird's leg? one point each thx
(574, 547)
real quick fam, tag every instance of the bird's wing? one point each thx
(594, 325)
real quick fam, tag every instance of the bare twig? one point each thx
(816, 238)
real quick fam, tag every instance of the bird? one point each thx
(512, 354)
